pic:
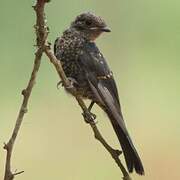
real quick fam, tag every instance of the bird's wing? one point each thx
(101, 81)
(104, 89)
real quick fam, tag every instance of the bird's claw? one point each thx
(89, 117)
(71, 80)
(59, 83)
(72, 83)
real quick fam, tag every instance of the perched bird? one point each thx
(87, 69)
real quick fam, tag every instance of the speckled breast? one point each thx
(68, 49)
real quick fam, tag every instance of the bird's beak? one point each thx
(103, 29)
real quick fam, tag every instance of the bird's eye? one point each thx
(88, 23)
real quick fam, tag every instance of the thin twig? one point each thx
(41, 33)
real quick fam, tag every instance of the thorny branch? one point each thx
(41, 33)
(43, 46)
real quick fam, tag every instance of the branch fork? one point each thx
(43, 46)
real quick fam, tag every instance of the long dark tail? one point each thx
(132, 158)
(110, 104)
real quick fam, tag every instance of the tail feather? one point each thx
(132, 158)
(110, 104)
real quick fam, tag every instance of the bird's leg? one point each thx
(72, 82)
(91, 105)
(89, 117)
(93, 115)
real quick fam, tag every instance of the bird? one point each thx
(87, 69)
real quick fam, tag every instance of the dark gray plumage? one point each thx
(83, 62)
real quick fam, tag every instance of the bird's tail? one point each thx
(132, 158)
(110, 105)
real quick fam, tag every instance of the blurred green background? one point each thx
(143, 50)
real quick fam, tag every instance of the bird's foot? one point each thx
(72, 83)
(89, 117)
(58, 84)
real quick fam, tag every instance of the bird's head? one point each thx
(90, 25)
